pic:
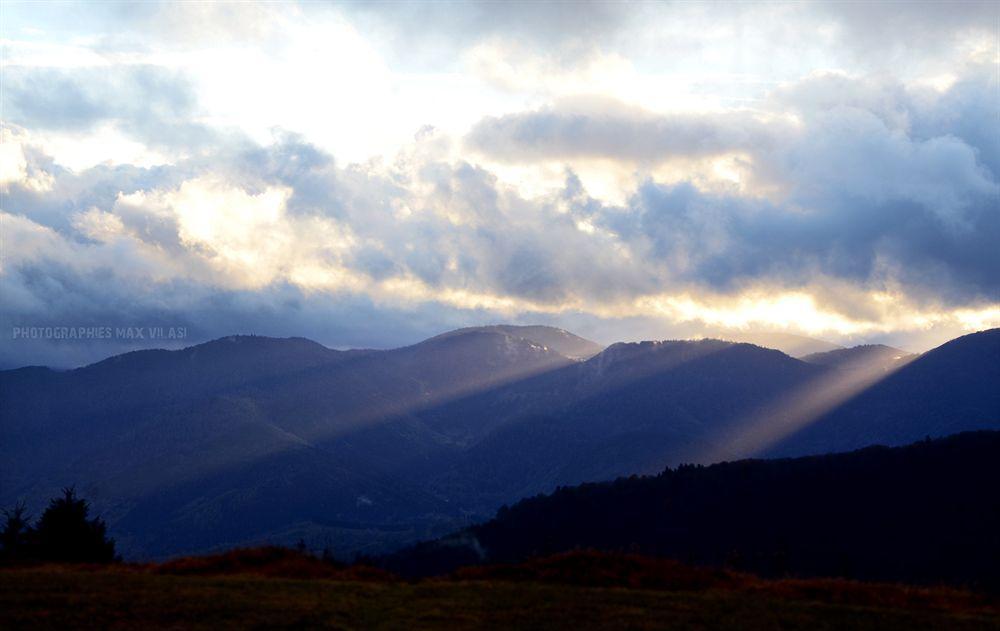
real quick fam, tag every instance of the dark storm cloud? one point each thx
(879, 183)
(726, 242)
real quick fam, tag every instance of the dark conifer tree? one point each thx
(15, 538)
(65, 534)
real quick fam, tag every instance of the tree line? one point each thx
(924, 513)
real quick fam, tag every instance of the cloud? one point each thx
(881, 26)
(259, 238)
(210, 169)
(966, 110)
(565, 29)
(150, 103)
(871, 34)
(963, 107)
(725, 243)
(603, 128)
(858, 179)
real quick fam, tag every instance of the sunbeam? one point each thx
(752, 434)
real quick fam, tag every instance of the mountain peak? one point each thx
(555, 339)
(661, 353)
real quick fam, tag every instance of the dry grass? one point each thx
(598, 569)
(275, 588)
(270, 561)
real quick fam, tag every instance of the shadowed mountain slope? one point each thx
(954, 387)
(926, 513)
(369, 449)
(634, 408)
(253, 412)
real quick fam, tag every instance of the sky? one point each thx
(370, 174)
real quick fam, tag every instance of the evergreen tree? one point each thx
(16, 535)
(65, 534)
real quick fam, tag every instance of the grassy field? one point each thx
(66, 598)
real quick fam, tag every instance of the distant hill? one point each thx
(884, 357)
(151, 378)
(245, 438)
(927, 512)
(951, 388)
(788, 343)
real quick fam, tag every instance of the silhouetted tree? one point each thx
(64, 533)
(16, 535)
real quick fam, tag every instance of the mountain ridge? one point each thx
(464, 422)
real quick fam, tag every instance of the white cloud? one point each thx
(14, 166)
(693, 165)
(99, 225)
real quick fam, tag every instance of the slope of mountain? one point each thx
(634, 408)
(924, 513)
(249, 439)
(251, 412)
(952, 388)
(88, 424)
(151, 378)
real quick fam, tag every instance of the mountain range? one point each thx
(247, 439)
